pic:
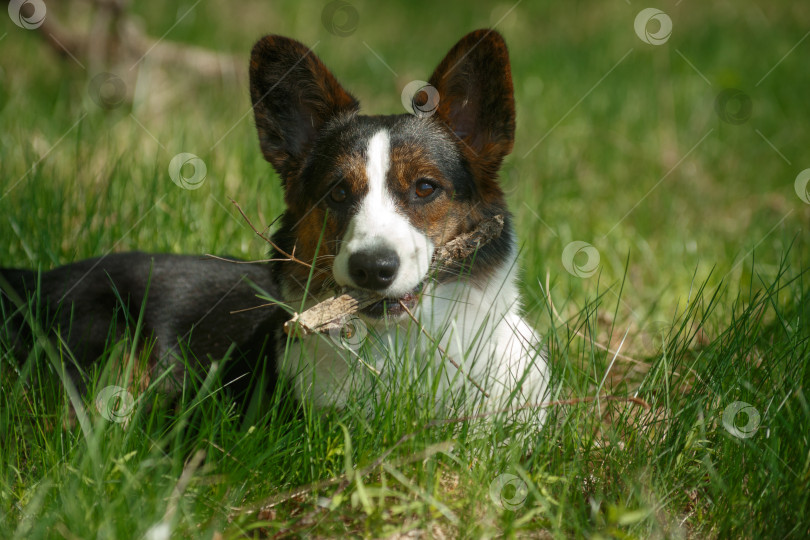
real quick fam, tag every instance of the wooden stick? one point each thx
(331, 314)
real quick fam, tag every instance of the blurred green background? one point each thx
(620, 143)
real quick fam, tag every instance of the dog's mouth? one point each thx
(393, 307)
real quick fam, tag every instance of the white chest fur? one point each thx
(479, 328)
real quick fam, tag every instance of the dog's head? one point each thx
(369, 198)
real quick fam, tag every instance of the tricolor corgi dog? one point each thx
(369, 199)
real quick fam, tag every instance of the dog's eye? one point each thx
(339, 193)
(424, 188)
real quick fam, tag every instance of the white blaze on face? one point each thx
(380, 224)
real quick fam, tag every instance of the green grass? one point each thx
(702, 282)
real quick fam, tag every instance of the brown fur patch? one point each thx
(315, 226)
(440, 219)
(352, 171)
(315, 221)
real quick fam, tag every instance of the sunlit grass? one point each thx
(699, 300)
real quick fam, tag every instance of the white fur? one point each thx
(479, 326)
(379, 224)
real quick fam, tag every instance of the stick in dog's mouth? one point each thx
(392, 307)
(331, 314)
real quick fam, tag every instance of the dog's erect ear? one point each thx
(476, 99)
(293, 95)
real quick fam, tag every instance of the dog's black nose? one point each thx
(375, 269)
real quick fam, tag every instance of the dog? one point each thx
(369, 199)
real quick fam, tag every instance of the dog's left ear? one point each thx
(293, 96)
(476, 100)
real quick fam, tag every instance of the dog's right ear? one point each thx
(293, 95)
